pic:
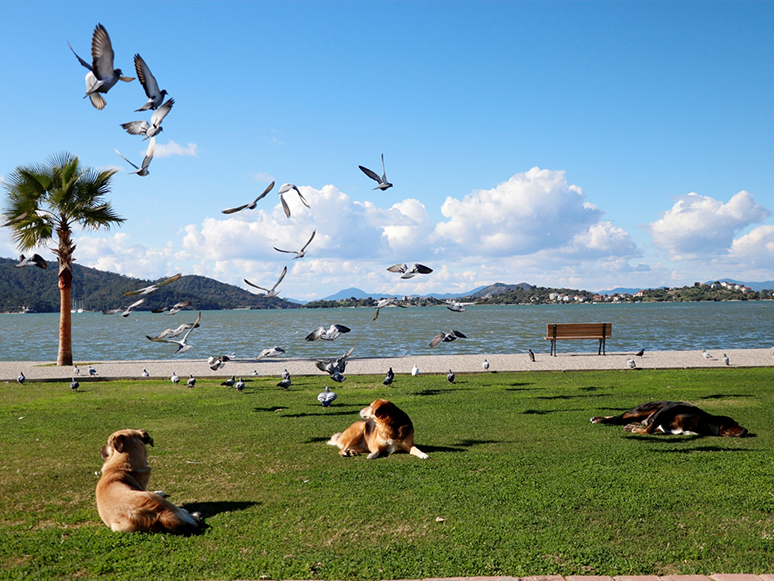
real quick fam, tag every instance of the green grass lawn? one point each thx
(525, 485)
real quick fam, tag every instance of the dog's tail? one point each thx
(334, 441)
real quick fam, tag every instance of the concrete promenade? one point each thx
(427, 364)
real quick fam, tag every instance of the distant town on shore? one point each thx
(35, 290)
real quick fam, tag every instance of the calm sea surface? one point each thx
(397, 332)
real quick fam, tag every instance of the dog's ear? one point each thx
(104, 452)
(117, 442)
(145, 438)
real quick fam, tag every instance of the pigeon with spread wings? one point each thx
(251, 205)
(272, 292)
(410, 272)
(101, 76)
(148, 81)
(284, 190)
(183, 345)
(152, 128)
(143, 171)
(298, 253)
(382, 182)
(152, 288)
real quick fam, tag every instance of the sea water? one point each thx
(397, 332)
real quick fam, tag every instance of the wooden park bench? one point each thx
(561, 331)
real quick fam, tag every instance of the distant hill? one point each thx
(97, 290)
(497, 289)
(349, 293)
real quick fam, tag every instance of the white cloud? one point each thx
(173, 148)
(755, 249)
(263, 177)
(697, 225)
(117, 253)
(532, 211)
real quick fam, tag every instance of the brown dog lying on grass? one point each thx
(384, 429)
(673, 417)
(123, 502)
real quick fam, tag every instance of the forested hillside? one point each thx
(37, 290)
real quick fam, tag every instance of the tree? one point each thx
(51, 198)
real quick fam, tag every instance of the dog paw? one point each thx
(197, 516)
(161, 493)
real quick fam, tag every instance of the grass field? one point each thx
(525, 485)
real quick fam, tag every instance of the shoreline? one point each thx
(427, 364)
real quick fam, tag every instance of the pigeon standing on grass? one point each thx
(240, 385)
(191, 381)
(229, 382)
(74, 385)
(450, 376)
(326, 398)
(21, 379)
(174, 378)
(389, 377)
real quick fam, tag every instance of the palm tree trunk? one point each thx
(65, 356)
(65, 254)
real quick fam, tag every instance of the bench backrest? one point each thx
(579, 330)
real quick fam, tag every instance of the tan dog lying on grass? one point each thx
(384, 429)
(123, 502)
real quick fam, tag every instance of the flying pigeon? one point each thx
(174, 309)
(271, 352)
(101, 76)
(337, 364)
(143, 171)
(128, 310)
(382, 182)
(442, 337)
(326, 397)
(34, 260)
(148, 82)
(183, 346)
(270, 292)
(251, 205)
(152, 128)
(298, 253)
(410, 272)
(175, 332)
(285, 189)
(330, 334)
(388, 302)
(152, 288)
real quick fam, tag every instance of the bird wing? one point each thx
(147, 79)
(233, 210)
(284, 272)
(316, 334)
(161, 112)
(288, 251)
(196, 324)
(149, 153)
(101, 53)
(266, 191)
(83, 62)
(384, 171)
(136, 304)
(286, 188)
(37, 259)
(255, 285)
(135, 127)
(127, 161)
(370, 174)
(422, 269)
(15, 220)
(341, 328)
(303, 200)
(285, 207)
(310, 241)
(458, 334)
(437, 339)
(398, 268)
(153, 287)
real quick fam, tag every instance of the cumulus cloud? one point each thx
(755, 249)
(117, 253)
(173, 148)
(536, 212)
(697, 225)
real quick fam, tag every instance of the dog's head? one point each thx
(130, 442)
(386, 413)
(729, 428)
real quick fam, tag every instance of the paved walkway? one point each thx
(433, 364)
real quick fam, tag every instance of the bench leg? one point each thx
(601, 350)
(553, 347)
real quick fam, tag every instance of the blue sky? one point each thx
(580, 144)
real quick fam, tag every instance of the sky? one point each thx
(588, 145)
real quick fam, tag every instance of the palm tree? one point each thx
(53, 197)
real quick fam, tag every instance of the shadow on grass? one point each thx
(433, 391)
(685, 440)
(546, 412)
(565, 397)
(319, 412)
(210, 509)
(725, 396)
